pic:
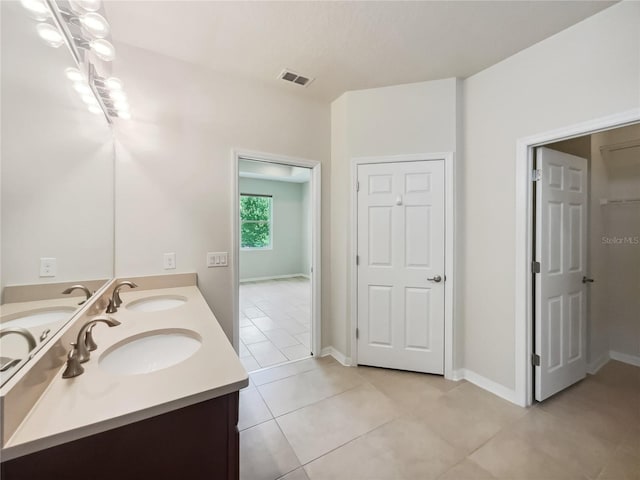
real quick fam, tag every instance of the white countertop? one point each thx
(97, 401)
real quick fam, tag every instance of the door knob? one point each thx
(587, 280)
(436, 279)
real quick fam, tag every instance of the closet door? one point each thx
(561, 250)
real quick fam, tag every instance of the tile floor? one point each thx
(275, 321)
(315, 419)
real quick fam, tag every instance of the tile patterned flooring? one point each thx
(275, 320)
(315, 419)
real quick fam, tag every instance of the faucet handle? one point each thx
(111, 308)
(88, 339)
(73, 368)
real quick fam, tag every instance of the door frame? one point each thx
(449, 247)
(524, 301)
(316, 236)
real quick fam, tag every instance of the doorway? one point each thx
(585, 238)
(276, 243)
(402, 244)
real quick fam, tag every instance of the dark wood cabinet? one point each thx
(200, 441)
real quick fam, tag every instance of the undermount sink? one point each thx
(34, 318)
(157, 303)
(150, 351)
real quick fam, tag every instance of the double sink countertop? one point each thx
(98, 400)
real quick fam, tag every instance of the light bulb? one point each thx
(118, 96)
(95, 109)
(95, 24)
(125, 115)
(82, 6)
(89, 99)
(82, 88)
(121, 105)
(113, 83)
(74, 74)
(103, 49)
(50, 34)
(37, 9)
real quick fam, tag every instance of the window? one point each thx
(256, 229)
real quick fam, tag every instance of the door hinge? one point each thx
(535, 267)
(357, 259)
(357, 186)
(357, 333)
(535, 360)
(536, 175)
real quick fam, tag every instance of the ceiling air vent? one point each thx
(296, 78)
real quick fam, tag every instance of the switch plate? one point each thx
(48, 267)
(217, 259)
(169, 261)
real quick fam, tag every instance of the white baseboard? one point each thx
(274, 277)
(488, 385)
(597, 364)
(339, 356)
(625, 358)
(457, 375)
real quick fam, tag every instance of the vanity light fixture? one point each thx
(95, 109)
(74, 75)
(50, 34)
(103, 49)
(113, 83)
(82, 6)
(82, 88)
(82, 27)
(95, 24)
(37, 9)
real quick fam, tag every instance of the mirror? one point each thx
(57, 191)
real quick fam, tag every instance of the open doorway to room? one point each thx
(276, 269)
(586, 257)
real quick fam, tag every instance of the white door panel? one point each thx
(561, 209)
(400, 246)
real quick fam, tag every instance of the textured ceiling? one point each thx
(344, 45)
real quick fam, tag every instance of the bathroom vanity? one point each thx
(158, 398)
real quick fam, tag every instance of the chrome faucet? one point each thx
(31, 341)
(84, 344)
(115, 300)
(86, 291)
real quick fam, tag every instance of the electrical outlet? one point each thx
(217, 259)
(48, 267)
(169, 261)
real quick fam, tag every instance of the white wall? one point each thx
(57, 164)
(403, 119)
(174, 165)
(285, 257)
(588, 71)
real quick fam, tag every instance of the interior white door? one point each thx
(401, 265)
(561, 249)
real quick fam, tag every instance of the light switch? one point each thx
(48, 267)
(169, 261)
(217, 259)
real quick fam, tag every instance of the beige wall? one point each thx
(404, 119)
(174, 167)
(588, 71)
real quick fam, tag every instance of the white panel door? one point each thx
(561, 249)
(401, 265)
